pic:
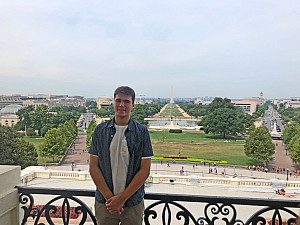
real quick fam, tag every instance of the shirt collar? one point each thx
(111, 124)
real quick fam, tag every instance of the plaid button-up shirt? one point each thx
(139, 147)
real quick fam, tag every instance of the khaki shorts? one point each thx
(132, 215)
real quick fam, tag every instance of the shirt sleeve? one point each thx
(93, 148)
(147, 151)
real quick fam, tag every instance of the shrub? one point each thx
(175, 131)
(30, 132)
(192, 160)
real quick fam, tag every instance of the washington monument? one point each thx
(172, 100)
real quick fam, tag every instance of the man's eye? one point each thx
(127, 101)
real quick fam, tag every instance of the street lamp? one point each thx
(287, 174)
(208, 167)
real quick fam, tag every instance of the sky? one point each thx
(231, 48)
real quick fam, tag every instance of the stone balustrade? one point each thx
(31, 173)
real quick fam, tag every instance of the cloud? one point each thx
(228, 47)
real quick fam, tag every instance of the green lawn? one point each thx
(37, 141)
(193, 145)
(171, 110)
(200, 146)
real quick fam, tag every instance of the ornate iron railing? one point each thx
(164, 209)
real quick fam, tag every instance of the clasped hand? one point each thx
(115, 205)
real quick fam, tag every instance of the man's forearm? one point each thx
(138, 180)
(100, 182)
(117, 202)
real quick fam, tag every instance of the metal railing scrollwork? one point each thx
(164, 209)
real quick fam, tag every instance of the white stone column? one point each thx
(9, 197)
(156, 178)
(82, 175)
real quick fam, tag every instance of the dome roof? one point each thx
(10, 109)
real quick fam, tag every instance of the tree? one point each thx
(30, 132)
(39, 117)
(222, 118)
(222, 121)
(289, 132)
(54, 143)
(91, 105)
(260, 110)
(193, 109)
(90, 131)
(14, 150)
(57, 140)
(259, 145)
(42, 120)
(294, 146)
(218, 103)
(247, 120)
(24, 116)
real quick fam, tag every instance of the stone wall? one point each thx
(9, 198)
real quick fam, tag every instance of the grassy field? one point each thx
(37, 141)
(171, 110)
(201, 146)
(193, 145)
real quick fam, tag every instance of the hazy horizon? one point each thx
(233, 48)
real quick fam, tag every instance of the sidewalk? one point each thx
(77, 153)
(282, 158)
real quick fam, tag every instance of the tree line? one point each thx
(14, 150)
(138, 113)
(290, 114)
(57, 140)
(291, 137)
(42, 119)
(57, 125)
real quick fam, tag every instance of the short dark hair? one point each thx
(125, 90)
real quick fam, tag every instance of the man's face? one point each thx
(123, 105)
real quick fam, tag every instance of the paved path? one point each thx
(282, 158)
(77, 153)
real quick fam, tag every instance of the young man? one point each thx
(120, 160)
